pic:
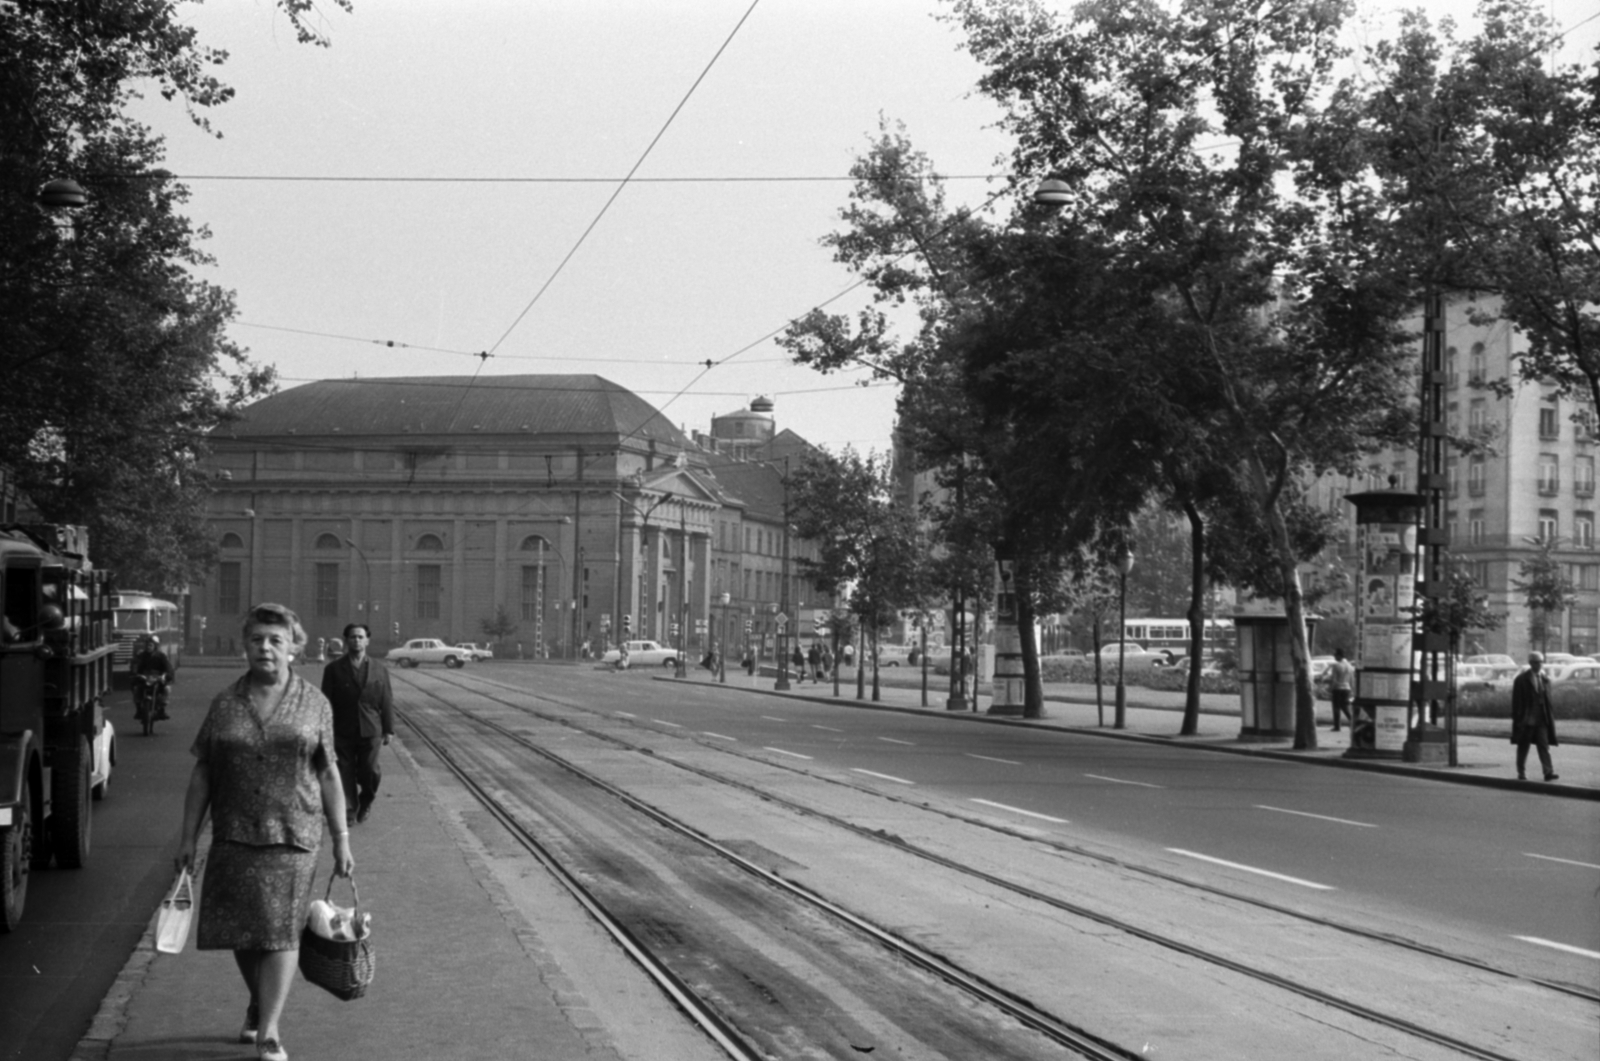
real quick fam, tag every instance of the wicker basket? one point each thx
(342, 968)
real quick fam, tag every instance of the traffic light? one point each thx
(747, 626)
(395, 629)
(627, 625)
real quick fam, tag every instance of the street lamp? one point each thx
(1124, 565)
(722, 658)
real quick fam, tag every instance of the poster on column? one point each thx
(1386, 645)
(1389, 729)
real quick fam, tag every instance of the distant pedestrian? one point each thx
(814, 658)
(798, 659)
(1532, 719)
(1341, 686)
(827, 661)
(849, 654)
(363, 719)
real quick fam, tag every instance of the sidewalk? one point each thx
(1484, 752)
(471, 963)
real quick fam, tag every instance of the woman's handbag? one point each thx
(336, 946)
(177, 910)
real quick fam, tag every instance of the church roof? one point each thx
(448, 405)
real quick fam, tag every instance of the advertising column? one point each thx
(1386, 534)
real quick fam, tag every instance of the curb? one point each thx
(1371, 766)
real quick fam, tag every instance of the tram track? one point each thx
(481, 687)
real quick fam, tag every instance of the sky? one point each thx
(428, 182)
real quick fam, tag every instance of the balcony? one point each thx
(1549, 487)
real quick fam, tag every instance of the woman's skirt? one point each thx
(254, 898)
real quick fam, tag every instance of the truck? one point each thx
(56, 660)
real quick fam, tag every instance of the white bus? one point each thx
(138, 613)
(1171, 636)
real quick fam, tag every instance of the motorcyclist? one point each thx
(149, 658)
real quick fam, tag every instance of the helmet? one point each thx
(154, 640)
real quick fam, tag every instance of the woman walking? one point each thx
(264, 768)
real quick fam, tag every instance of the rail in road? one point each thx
(499, 738)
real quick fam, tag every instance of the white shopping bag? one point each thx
(177, 910)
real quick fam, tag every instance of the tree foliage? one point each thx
(113, 352)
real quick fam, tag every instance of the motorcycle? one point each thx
(147, 700)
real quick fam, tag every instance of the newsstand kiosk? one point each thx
(1386, 534)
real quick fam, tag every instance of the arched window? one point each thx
(430, 543)
(533, 542)
(232, 541)
(328, 541)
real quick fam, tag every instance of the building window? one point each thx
(1452, 367)
(1585, 629)
(233, 541)
(1583, 530)
(1475, 526)
(1478, 367)
(1549, 474)
(1583, 476)
(1452, 477)
(1549, 524)
(1479, 570)
(327, 588)
(532, 592)
(1475, 475)
(229, 584)
(430, 543)
(327, 541)
(1587, 576)
(1549, 420)
(1477, 416)
(429, 590)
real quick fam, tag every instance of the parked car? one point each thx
(644, 653)
(1474, 677)
(428, 650)
(894, 655)
(476, 651)
(1319, 667)
(1109, 652)
(1581, 672)
(1494, 659)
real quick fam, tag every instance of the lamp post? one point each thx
(1124, 565)
(722, 658)
(367, 567)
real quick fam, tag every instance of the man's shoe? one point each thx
(1552, 777)
(271, 1050)
(365, 812)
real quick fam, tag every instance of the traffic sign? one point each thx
(781, 620)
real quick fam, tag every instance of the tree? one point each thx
(114, 355)
(1276, 290)
(1545, 588)
(865, 541)
(500, 627)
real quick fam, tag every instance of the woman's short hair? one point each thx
(275, 615)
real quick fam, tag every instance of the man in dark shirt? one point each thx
(363, 719)
(148, 658)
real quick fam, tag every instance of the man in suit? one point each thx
(1532, 720)
(363, 719)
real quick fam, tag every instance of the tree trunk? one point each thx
(1305, 701)
(1032, 681)
(1197, 620)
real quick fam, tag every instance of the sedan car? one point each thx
(1113, 650)
(1579, 673)
(475, 651)
(643, 653)
(428, 650)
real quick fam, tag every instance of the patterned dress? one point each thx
(266, 815)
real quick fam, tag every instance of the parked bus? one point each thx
(1171, 636)
(138, 613)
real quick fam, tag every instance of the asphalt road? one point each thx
(80, 925)
(1501, 876)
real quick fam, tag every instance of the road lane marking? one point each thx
(1122, 781)
(780, 751)
(1319, 817)
(774, 718)
(1019, 810)
(886, 777)
(624, 714)
(719, 736)
(1252, 869)
(991, 759)
(1567, 947)
(891, 740)
(1567, 861)
(663, 722)
(830, 729)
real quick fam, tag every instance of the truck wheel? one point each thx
(452, 662)
(70, 821)
(16, 856)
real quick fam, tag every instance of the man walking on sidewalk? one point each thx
(363, 719)
(1532, 719)
(1341, 685)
